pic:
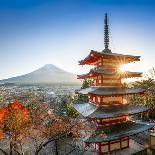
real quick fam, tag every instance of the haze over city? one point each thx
(62, 32)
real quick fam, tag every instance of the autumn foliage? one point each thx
(13, 118)
(37, 125)
(3, 113)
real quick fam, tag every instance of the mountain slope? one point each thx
(46, 74)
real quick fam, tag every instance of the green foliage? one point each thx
(70, 100)
(70, 111)
(86, 84)
(148, 99)
(81, 98)
(146, 84)
(125, 85)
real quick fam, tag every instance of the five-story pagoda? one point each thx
(107, 106)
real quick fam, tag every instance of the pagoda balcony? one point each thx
(109, 91)
(109, 74)
(123, 146)
(109, 133)
(89, 110)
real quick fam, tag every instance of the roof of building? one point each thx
(95, 72)
(117, 131)
(94, 56)
(93, 111)
(109, 91)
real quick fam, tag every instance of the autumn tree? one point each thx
(14, 120)
(48, 127)
(37, 125)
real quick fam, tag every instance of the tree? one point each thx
(150, 74)
(37, 124)
(86, 84)
(14, 120)
(70, 100)
(48, 127)
(70, 111)
(148, 98)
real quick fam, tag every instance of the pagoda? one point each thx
(107, 106)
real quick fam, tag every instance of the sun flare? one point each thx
(122, 68)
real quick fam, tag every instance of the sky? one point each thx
(62, 32)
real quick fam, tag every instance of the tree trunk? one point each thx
(56, 147)
(45, 144)
(37, 152)
(11, 147)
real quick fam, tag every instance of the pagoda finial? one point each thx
(106, 34)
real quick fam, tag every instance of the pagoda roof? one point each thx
(92, 111)
(109, 91)
(117, 131)
(94, 56)
(94, 72)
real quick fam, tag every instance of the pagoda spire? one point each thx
(106, 35)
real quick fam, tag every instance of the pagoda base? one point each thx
(106, 147)
(129, 147)
(133, 149)
(115, 145)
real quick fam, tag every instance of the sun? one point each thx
(122, 68)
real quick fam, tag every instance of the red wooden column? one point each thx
(99, 148)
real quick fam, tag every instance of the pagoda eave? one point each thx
(116, 75)
(117, 131)
(94, 56)
(109, 91)
(104, 112)
(131, 74)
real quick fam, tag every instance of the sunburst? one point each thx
(122, 68)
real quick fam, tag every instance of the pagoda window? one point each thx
(114, 120)
(94, 82)
(124, 142)
(97, 63)
(105, 148)
(99, 77)
(99, 99)
(99, 81)
(115, 145)
(112, 99)
(98, 121)
(94, 99)
(100, 63)
(91, 97)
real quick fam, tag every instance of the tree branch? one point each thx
(3, 151)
